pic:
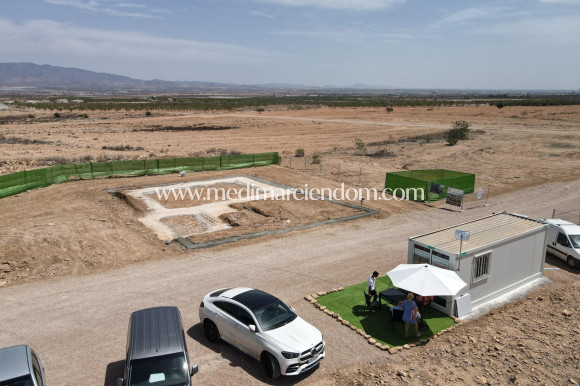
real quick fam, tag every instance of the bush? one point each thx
(361, 147)
(299, 153)
(459, 131)
(316, 158)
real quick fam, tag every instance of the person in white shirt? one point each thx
(372, 290)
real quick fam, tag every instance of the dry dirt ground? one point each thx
(90, 312)
(75, 260)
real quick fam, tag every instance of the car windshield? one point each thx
(166, 370)
(22, 381)
(274, 315)
(575, 240)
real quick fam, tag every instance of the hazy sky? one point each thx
(504, 44)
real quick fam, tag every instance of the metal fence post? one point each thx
(487, 196)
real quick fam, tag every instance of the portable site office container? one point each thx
(504, 252)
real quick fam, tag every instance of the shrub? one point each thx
(459, 130)
(299, 153)
(316, 158)
(361, 147)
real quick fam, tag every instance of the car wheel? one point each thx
(571, 262)
(271, 366)
(211, 331)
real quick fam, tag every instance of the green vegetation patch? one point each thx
(349, 304)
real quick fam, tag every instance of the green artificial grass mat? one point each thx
(350, 305)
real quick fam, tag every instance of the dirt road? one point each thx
(78, 325)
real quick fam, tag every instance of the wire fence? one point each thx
(572, 215)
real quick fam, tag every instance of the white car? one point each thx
(262, 326)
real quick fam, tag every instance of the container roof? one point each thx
(483, 232)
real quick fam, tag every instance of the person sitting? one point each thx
(372, 288)
(410, 315)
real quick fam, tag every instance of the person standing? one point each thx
(372, 288)
(410, 315)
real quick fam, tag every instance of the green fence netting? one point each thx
(422, 181)
(15, 183)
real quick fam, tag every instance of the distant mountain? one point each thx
(46, 77)
(30, 77)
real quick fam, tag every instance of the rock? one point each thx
(567, 313)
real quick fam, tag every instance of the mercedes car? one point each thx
(265, 328)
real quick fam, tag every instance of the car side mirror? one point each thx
(252, 328)
(119, 382)
(194, 370)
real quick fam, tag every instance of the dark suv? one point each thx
(156, 350)
(19, 366)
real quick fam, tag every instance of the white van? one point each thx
(564, 240)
